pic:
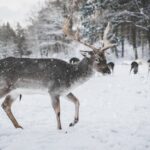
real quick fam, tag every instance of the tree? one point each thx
(7, 45)
(45, 35)
(124, 14)
(20, 41)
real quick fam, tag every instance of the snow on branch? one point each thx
(135, 18)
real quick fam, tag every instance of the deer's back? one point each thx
(43, 71)
(52, 74)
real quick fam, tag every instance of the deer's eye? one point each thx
(97, 60)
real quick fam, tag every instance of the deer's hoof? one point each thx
(59, 128)
(71, 124)
(18, 127)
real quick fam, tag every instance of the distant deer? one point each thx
(53, 76)
(134, 67)
(111, 66)
(74, 60)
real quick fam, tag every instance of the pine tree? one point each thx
(7, 45)
(46, 32)
(20, 41)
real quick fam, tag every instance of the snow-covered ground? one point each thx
(114, 115)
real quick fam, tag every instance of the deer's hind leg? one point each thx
(4, 92)
(73, 99)
(6, 105)
(56, 106)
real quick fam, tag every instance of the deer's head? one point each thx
(96, 55)
(97, 61)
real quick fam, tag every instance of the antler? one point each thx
(106, 43)
(67, 29)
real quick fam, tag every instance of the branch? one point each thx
(133, 23)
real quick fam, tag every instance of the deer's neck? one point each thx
(86, 66)
(84, 70)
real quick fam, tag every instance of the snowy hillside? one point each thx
(114, 115)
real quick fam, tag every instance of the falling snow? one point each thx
(114, 114)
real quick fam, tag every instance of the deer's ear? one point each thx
(87, 54)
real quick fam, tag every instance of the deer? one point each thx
(134, 67)
(53, 76)
(74, 60)
(111, 66)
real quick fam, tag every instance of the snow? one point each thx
(114, 115)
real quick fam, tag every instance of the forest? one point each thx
(87, 104)
(44, 37)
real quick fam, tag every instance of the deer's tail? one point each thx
(20, 97)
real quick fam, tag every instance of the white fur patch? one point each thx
(14, 94)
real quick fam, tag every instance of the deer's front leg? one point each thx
(73, 99)
(56, 105)
(6, 105)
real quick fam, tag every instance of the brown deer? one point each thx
(54, 76)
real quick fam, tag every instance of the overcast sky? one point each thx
(17, 10)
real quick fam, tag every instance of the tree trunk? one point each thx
(122, 41)
(149, 41)
(122, 46)
(136, 54)
(134, 42)
(149, 46)
(142, 42)
(116, 52)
